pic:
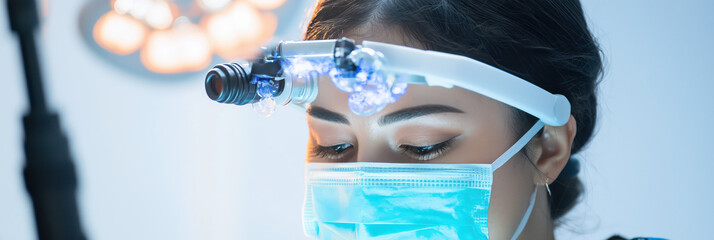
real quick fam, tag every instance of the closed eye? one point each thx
(425, 153)
(333, 152)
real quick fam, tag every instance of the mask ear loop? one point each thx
(513, 150)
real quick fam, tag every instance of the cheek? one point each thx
(510, 195)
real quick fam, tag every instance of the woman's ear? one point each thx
(555, 149)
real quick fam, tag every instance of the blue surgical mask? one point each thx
(375, 200)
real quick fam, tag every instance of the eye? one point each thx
(331, 152)
(425, 153)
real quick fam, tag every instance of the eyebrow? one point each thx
(401, 115)
(418, 111)
(327, 115)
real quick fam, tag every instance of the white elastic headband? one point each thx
(448, 70)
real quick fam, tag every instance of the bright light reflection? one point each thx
(236, 29)
(123, 6)
(239, 29)
(159, 15)
(119, 34)
(140, 8)
(181, 49)
(267, 4)
(213, 5)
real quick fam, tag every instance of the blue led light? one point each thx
(370, 88)
(267, 88)
(301, 69)
(343, 80)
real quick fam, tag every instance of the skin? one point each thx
(480, 129)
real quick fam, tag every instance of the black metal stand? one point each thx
(49, 173)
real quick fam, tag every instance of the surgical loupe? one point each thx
(374, 74)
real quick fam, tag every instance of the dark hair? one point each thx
(546, 42)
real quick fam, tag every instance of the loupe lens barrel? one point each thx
(230, 83)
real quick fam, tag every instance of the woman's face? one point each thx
(426, 125)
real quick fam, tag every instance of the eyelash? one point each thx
(422, 153)
(426, 153)
(331, 152)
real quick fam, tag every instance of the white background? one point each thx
(158, 160)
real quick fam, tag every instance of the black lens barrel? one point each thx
(230, 83)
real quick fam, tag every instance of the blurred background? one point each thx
(156, 159)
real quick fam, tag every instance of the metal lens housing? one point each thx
(300, 77)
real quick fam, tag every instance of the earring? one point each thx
(546, 186)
